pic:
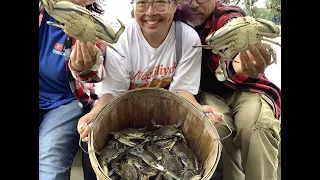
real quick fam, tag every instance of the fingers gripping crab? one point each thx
(238, 34)
(82, 24)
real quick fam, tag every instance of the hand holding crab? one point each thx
(253, 61)
(83, 57)
(81, 24)
(239, 35)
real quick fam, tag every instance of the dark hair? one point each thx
(95, 7)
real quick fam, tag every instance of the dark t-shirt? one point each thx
(209, 82)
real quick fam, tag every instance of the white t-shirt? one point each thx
(145, 66)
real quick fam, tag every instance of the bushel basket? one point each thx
(136, 108)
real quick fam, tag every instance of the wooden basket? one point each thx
(136, 108)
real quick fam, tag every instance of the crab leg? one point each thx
(233, 30)
(120, 31)
(109, 29)
(268, 40)
(223, 67)
(55, 24)
(155, 124)
(48, 5)
(203, 46)
(103, 37)
(121, 138)
(82, 24)
(271, 51)
(271, 35)
(110, 46)
(181, 137)
(274, 29)
(227, 38)
(169, 175)
(61, 17)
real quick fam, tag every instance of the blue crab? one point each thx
(237, 35)
(81, 24)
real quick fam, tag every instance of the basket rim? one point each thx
(157, 89)
(92, 151)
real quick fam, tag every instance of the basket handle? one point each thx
(228, 128)
(88, 148)
(226, 125)
(81, 146)
(90, 125)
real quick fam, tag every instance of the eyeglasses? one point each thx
(142, 6)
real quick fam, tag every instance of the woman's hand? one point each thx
(85, 123)
(212, 113)
(83, 56)
(84, 126)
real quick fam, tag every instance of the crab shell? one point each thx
(109, 153)
(239, 33)
(172, 164)
(188, 157)
(80, 23)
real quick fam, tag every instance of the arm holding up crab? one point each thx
(235, 38)
(86, 61)
(252, 61)
(254, 56)
(93, 34)
(239, 44)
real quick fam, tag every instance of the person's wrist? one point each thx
(92, 114)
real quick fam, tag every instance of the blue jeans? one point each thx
(58, 141)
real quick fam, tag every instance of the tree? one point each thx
(272, 8)
(231, 1)
(274, 5)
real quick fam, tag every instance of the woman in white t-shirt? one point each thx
(148, 46)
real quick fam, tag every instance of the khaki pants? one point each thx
(251, 152)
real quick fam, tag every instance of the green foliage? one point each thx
(274, 5)
(263, 13)
(272, 8)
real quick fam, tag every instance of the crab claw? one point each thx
(120, 31)
(55, 24)
(48, 5)
(203, 46)
(155, 124)
(121, 138)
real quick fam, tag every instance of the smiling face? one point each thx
(153, 23)
(195, 13)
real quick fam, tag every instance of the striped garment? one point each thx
(83, 86)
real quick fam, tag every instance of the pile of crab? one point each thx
(140, 154)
